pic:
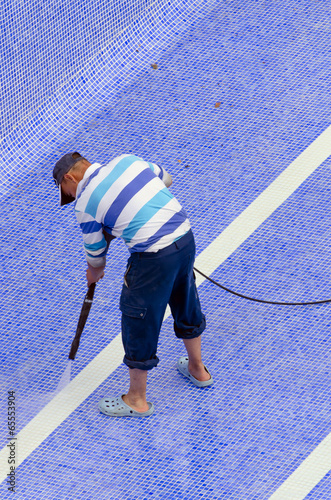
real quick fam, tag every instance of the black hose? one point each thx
(82, 319)
(260, 300)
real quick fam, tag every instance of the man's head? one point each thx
(68, 172)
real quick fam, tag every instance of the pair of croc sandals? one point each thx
(116, 407)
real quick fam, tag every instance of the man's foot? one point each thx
(199, 372)
(114, 406)
(136, 404)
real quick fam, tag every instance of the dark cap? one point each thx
(62, 166)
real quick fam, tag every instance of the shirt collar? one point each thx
(88, 172)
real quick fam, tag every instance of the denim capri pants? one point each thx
(153, 280)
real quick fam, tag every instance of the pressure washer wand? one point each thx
(82, 320)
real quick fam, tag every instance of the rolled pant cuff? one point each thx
(141, 365)
(195, 332)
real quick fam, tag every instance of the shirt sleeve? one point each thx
(160, 172)
(95, 244)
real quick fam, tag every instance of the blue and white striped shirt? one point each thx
(128, 199)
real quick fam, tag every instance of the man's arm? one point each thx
(95, 246)
(94, 274)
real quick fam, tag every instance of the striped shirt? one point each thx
(127, 198)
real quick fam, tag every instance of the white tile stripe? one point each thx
(265, 204)
(307, 475)
(94, 374)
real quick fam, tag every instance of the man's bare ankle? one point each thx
(136, 402)
(199, 372)
(195, 365)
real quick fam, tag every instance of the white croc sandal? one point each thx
(116, 407)
(182, 366)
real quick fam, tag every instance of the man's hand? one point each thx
(94, 274)
(167, 179)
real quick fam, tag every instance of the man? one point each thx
(129, 198)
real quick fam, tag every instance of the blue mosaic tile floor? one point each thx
(269, 408)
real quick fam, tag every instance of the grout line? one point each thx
(94, 374)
